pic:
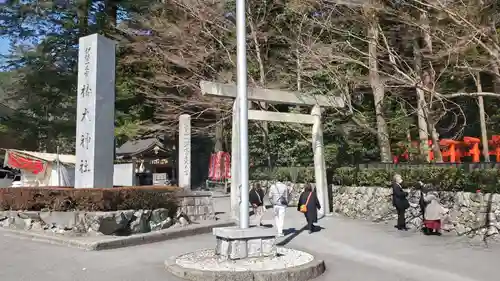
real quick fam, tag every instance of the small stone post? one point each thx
(185, 151)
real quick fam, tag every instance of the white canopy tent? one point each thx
(42, 169)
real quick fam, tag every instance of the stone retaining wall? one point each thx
(124, 222)
(193, 206)
(470, 214)
(197, 205)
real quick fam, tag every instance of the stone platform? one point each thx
(286, 264)
(234, 243)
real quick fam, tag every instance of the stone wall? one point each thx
(470, 214)
(197, 205)
(79, 223)
(193, 206)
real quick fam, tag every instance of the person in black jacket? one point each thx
(309, 205)
(256, 199)
(400, 201)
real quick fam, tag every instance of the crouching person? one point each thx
(433, 214)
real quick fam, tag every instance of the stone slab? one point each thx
(247, 233)
(105, 243)
(304, 272)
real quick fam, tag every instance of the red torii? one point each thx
(495, 145)
(450, 149)
(473, 151)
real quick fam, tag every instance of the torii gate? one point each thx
(278, 97)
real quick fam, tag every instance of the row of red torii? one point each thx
(453, 151)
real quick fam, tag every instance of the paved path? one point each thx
(352, 250)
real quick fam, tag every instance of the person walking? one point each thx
(400, 201)
(256, 197)
(309, 205)
(278, 195)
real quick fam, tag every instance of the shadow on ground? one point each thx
(292, 233)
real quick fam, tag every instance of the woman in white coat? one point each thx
(433, 214)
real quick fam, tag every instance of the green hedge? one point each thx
(88, 199)
(293, 174)
(442, 178)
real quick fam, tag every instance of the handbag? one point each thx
(282, 200)
(303, 208)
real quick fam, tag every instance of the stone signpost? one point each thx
(185, 151)
(95, 112)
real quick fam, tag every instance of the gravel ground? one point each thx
(206, 260)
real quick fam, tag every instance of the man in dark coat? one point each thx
(400, 201)
(256, 199)
(309, 199)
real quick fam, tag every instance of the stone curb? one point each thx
(303, 272)
(119, 242)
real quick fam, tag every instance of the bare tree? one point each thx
(376, 83)
(187, 43)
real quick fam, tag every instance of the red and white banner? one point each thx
(220, 166)
(17, 161)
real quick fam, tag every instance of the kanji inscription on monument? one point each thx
(95, 112)
(185, 151)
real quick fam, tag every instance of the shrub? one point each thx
(87, 199)
(293, 174)
(444, 178)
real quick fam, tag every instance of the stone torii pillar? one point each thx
(279, 97)
(235, 163)
(319, 160)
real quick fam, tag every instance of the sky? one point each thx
(4, 45)
(4, 49)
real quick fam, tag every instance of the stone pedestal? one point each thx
(234, 243)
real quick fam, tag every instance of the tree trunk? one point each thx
(482, 119)
(111, 9)
(377, 88)
(219, 134)
(423, 132)
(83, 16)
(262, 81)
(428, 78)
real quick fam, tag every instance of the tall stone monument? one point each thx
(185, 151)
(95, 112)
